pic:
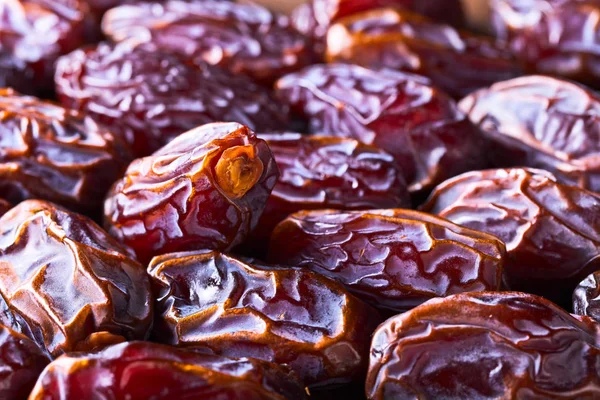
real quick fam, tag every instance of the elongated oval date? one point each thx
(69, 284)
(213, 302)
(551, 231)
(51, 153)
(144, 370)
(150, 97)
(395, 259)
(541, 122)
(484, 346)
(204, 190)
(456, 62)
(401, 113)
(245, 39)
(586, 297)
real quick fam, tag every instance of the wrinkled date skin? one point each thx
(48, 152)
(551, 231)
(66, 283)
(144, 370)
(586, 297)
(204, 190)
(151, 97)
(458, 63)
(245, 39)
(541, 122)
(394, 259)
(485, 346)
(216, 303)
(402, 113)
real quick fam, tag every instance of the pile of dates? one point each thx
(206, 199)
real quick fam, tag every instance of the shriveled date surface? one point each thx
(204, 190)
(213, 302)
(551, 231)
(401, 113)
(485, 346)
(48, 152)
(150, 97)
(143, 370)
(541, 122)
(67, 284)
(245, 39)
(586, 298)
(395, 259)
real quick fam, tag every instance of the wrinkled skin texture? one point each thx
(21, 362)
(541, 122)
(245, 39)
(216, 303)
(485, 346)
(417, 124)
(456, 62)
(66, 283)
(4, 207)
(143, 370)
(551, 231)
(586, 297)
(394, 259)
(204, 190)
(149, 97)
(51, 153)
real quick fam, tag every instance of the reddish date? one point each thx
(394, 259)
(485, 346)
(204, 190)
(401, 113)
(586, 297)
(551, 231)
(143, 370)
(541, 122)
(66, 283)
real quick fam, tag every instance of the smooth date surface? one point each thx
(394, 259)
(586, 298)
(485, 346)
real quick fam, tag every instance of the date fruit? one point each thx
(551, 231)
(144, 370)
(204, 190)
(541, 122)
(485, 346)
(394, 259)
(586, 298)
(67, 282)
(402, 113)
(150, 97)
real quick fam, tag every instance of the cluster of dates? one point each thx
(359, 200)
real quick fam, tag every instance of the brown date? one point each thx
(65, 283)
(246, 39)
(541, 122)
(456, 62)
(49, 152)
(402, 113)
(215, 303)
(551, 231)
(144, 370)
(394, 259)
(586, 297)
(485, 346)
(204, 190)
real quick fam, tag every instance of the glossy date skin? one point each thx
(586, 297)
(150, 97)
(144, 370)
(485, 346)
(204, 190)
(245, 39)
(66, 283)
(51, 153)
(402, 113)
(394, 259)
(541, 122)
(215, 303)
(551, 231)
(456, 62)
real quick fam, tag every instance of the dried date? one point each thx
(586, 297)
(394, 259)
(485, 346)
